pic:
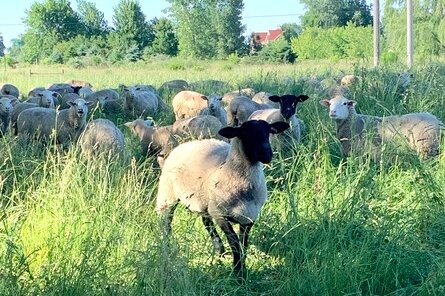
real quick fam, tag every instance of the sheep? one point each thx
(222, 182)
(68, 123)
(214, 108)
(263, 98)
(85, 91)
(65, 98)
(101, 137)
(350, 80)
(106, 93)
(5, 113)
(155, 141)
(62, 88)
(197, 127)
(187, 104)
(240, 108)
(137, 103)
(247, 92)
(110, 106)
(9, 89)
(43, 98)
(421, 131)
(173, 87)
(286, 113)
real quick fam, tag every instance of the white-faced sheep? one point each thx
(187, 104)
(40, 122)
(44, 98)
(5, 113)
(9, 89)
(102, 138)
(155, 141)
(214, 108)
(286, 113)
(421, 131)
(139, 103)
(197, 127)
(240, 108)
(220, 181)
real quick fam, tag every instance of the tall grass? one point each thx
(331, 226)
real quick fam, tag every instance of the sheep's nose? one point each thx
(332, 113)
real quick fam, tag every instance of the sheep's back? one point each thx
(101, 135)
(37, 121)
(187, 104)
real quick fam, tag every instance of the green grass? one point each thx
(330, 227)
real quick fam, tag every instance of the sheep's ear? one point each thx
(278, 127)
(229, 132)
(204, 98)
(55, 95)
(89, 103)
(302, 98)
(130, 124)
(40, 95)
(325, 103)
(275, 99)
(352, 103)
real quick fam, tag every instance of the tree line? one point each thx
(213, 29)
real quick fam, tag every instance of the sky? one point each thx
(258, 15)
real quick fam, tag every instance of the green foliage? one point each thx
(208, 28)
(278, 51)
(341, 42)
(290, 30)
(92, 19)
(2, 46)
(336, 13)
(165, 41)
(130, 25)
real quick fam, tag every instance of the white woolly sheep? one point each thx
(187, 104)
(9, 89)
(110, 106)
(101, 138)
(155, 141)
(263, 98)
(246, 92)
(220, 181)
(62, 88)
(68, 123)
(106, 93)
(286, 113)
(65, 98)
(240, 108)
(350, 80)
(421, 131)
(197, 127)
(5, 113)
(43, 98)
(139, 103)
(214, 108)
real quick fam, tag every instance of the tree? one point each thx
(2, 47)
(290, 30)
(336, 13)
(208, 28)
(53, 17)
(92, 19)
(129, 23)
(165, 41)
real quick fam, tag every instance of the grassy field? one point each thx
(331, 226)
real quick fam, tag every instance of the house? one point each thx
(266, 37)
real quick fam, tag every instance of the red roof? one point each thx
(271, 35)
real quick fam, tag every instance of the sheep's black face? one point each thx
(255, 139)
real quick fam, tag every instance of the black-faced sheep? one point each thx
(220, 181)
(286, 113)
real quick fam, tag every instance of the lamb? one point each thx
(221, 182)
(9, 89)
(5, 113)
(421, 131)
(68, 123)
(155, 141)
(286, 113)
(214, 108)
(240, 108)
(101, 138)
(139, 103)
(197, 127)
(187, 104)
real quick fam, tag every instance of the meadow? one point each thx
(332, 226)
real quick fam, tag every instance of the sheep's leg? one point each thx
(244, 231)
(234, 243)
(216, 239)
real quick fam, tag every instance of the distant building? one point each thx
(266, 37)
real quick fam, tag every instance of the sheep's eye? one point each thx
(345, 103)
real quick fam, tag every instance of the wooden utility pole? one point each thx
(376, 33)
(409, 33)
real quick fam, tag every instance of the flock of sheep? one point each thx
(219, 174)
